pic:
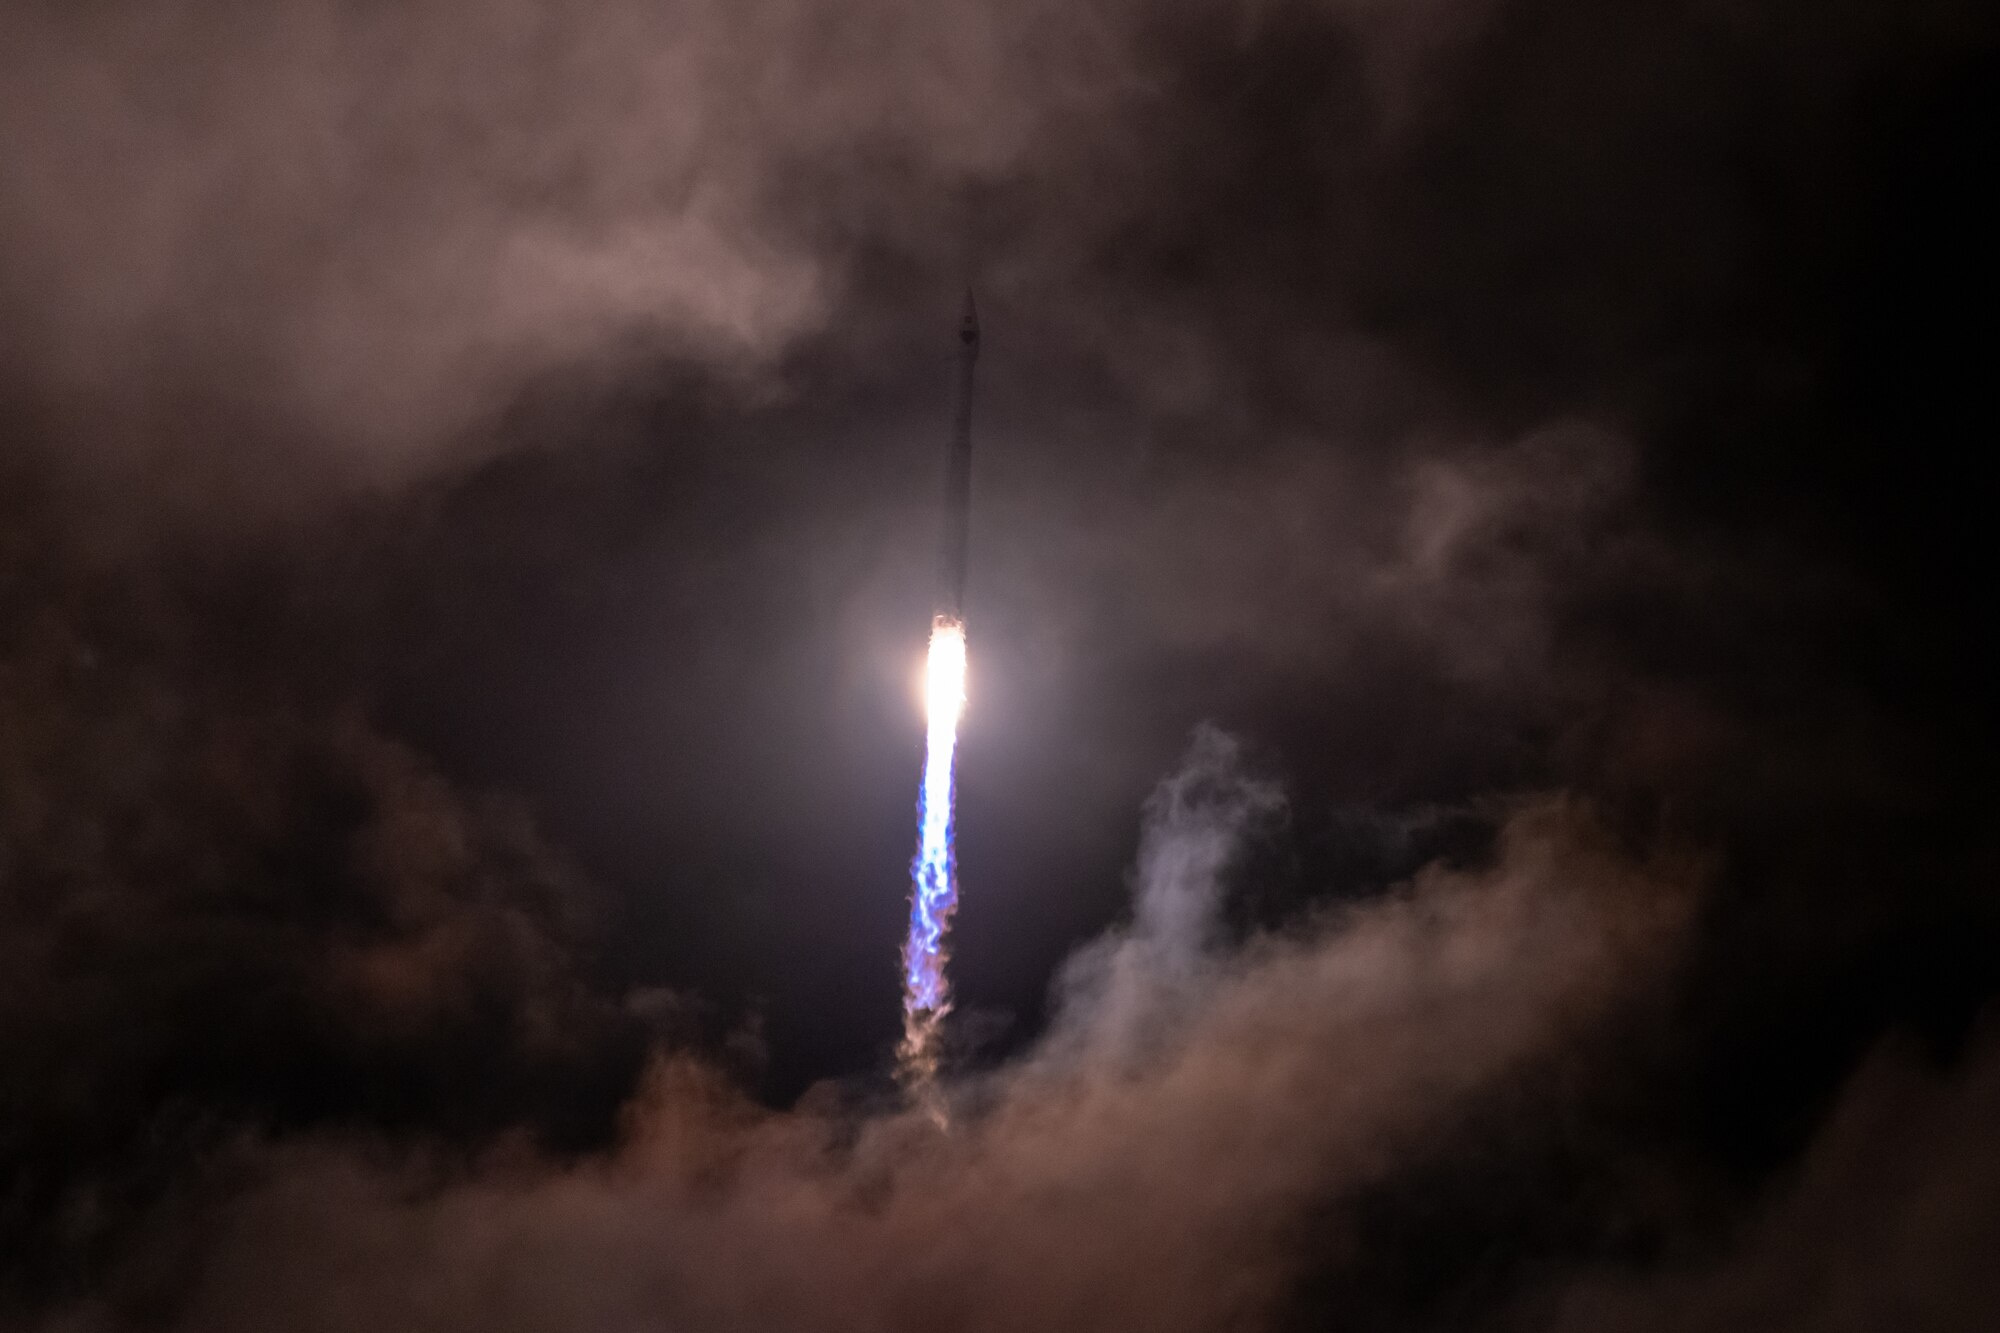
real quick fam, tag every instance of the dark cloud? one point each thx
(1886, 1220)
(225, 906)
(1140, 1168)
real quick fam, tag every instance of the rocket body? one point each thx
(934, 870)
(958, 475)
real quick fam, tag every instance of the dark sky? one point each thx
(1476, 796)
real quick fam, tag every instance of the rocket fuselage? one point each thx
(958, 474)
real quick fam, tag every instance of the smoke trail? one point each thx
(934, 872)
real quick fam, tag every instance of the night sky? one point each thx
(1476, 801)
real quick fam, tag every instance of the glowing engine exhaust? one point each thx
(934, 873)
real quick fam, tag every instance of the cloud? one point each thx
(225, 904)
(1888, 1220)
(352, 237)
(355, 232)
(1149, 1165)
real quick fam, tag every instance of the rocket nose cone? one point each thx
(968, 325)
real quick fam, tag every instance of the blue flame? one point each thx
(933, 879)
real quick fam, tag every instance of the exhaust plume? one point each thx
(934, 873)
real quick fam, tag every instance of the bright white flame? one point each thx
(944, 677)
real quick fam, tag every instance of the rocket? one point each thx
(958, 475)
